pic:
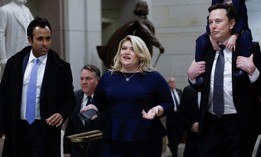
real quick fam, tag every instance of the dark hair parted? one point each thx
(231, 12)
(92, 68)
(37, 22)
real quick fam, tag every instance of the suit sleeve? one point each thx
(257, 57)
(68, 131)
(184, 115)
(68, 98)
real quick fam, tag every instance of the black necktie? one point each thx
(89, 99)
(87, 123)
(218, 91)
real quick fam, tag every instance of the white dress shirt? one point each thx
(40, 75)
(177, 98)
(228, 93)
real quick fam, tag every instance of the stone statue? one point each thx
(141, 27)
(14, 19)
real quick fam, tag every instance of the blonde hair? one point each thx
(140, 50)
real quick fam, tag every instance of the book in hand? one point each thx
(85, 136)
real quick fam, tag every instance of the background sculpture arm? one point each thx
(145, 30)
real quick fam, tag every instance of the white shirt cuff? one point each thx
(255, 76)
(192, 81)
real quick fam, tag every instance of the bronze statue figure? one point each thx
(141, 27)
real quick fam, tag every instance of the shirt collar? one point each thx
(42, 58)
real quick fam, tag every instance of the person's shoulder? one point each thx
(9, 6)
(188, 87)
(20, 54)
(179, 90)
(153, 74)
(55, 57)
(78, 93)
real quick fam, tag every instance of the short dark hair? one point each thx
(93, 69)
(231, 12)
(37, 22)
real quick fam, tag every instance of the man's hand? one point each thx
(231, 42)
(67, 155)
(246, 64)
(195, 69)
(194, 127)
(161, 48)
(88, 107)
(2, 135)
(56, 119)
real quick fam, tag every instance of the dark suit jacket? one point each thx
(174, 131)
(172, 118)
(74, 126)
(188, 115)
(56, 96)
(245, 95)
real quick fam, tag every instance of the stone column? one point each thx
(82, 24)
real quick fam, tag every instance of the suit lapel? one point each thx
(78, 108)
(49, 74)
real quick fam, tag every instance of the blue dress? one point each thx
(125, 100)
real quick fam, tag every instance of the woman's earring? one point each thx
(141, 60)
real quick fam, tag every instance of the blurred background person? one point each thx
(174, 130)
(188, 115)
(89, 78)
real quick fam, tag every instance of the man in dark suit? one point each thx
(174, 130)
(188, 116)
(90, 76)
(232, 131)
(36, 96)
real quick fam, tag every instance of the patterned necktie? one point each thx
(218, 91)
(175, 101)
(31, 94)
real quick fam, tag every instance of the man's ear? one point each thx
(232, 23)
(29, 40)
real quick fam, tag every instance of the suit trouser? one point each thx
(30, 139)
(223, 137)
(151, 148)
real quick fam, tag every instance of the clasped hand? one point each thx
(155, 111)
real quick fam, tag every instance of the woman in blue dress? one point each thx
(135, 97)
